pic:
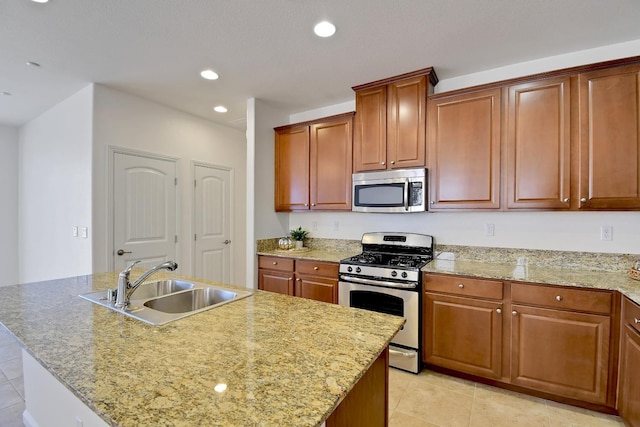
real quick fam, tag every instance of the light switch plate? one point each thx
(84, 232)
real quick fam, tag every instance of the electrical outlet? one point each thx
(489, 229)
(606, 232)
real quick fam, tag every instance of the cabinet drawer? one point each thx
(562, 298)
(481, 288)
(315, 268)
(275, 263)
(631, 314)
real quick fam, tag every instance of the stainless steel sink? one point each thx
(164, 301)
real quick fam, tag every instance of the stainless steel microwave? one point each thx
(395, 191)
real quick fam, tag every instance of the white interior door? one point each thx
(212, 218)
(144, 210)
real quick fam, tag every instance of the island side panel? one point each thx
(367, 404)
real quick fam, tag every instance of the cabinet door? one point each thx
(464, 151)
(276, 281)
(317, 288)
(610, 139)
(629, 394)
(370, 138)
(292, 169)
(463, 334)
(406, 123)
(561, 352)
(538, 144)
(331, 164)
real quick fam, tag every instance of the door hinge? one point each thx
(195, 237)
(175, 181)
(195, 183)
(176, 239)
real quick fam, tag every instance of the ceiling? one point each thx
(266, 48)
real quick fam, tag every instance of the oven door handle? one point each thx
(378, 282)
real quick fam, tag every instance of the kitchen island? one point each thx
(264, 360)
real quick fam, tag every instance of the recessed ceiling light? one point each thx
(324, 29)
(33, 64)
(209, 75)
(5, 93)
(220, 109)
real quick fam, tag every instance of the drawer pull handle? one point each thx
(498, 310)
(566, 200)
(291, 278)
(460, 285)
(559, 298)
(315, 268)
(515, 313)
(636, 320)
(583, 200)
(275, 263)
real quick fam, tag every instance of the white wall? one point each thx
(55, 190)
(9, 206)
(127, 121)
(579, 231)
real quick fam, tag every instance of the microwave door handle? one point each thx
(406, 194)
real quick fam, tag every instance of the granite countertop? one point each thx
(611, 280)
(329, 255)
(286, 361)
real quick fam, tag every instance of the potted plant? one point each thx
(299, 235)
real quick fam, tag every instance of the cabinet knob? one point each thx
(498, 310)
(306, 204)
(636, 320)
(433, 202)
(275, 263)
(515, 313)
(291, 278)
(313, 204)
(315, 268)
(382, 163)
(460, 285)
(566, 200)
(297, 279)
(559, 298)
(393, 162)
(583, 200)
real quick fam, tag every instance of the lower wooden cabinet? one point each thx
(463, 334)
(628, 383)
(303, 278)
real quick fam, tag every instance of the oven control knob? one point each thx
(358, 269)
(394, 273)
(404, 274)
(349, 269)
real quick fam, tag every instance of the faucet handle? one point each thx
(128, 269)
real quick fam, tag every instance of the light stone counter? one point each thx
(313, 254)
(286, 361)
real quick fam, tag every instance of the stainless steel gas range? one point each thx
(386, 278)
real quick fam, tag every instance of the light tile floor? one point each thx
(425, 400)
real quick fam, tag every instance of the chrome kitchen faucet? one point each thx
(126, 288)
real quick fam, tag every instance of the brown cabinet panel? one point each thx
(317, 268)
(292, 169)
(406, 122)
(464, 151)
(561, 352)
(463, 334)
(275, 263)
(464, 286)
(610, 139)
(629, 386)
(538, 145)
(370, 138)
(276, 281)
(331, 164)
(562, 298)
(317, 288)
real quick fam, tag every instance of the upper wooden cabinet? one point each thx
(313, 165)
(390, 127)
(464, 150)
(538, 145)
(609, 150)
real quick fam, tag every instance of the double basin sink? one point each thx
(164, 301)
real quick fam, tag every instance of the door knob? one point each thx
(122, 252)
(226, 242)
